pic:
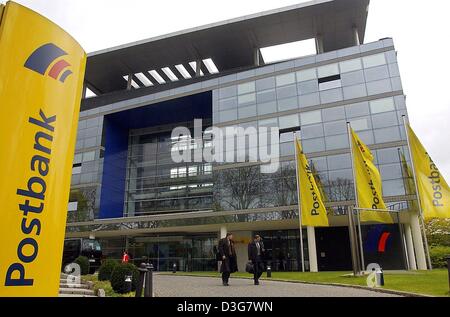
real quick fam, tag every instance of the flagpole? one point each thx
(421, 217)
(361, 255)
(299, 203)
(402, 226)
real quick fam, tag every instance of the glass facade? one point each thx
(317, 101)
(313, 96)
(156, 184)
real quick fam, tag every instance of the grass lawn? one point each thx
(433, 282)
(106, 285)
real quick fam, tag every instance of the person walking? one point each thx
(256, 255)
(228, 256)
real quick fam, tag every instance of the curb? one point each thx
(378, 290)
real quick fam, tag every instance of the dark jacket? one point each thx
(226, 248)
(253, 251)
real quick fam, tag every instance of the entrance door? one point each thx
(283, 249)
(333, 249)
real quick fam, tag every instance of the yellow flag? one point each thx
(41, 80)
(368, 183)
(312, 207)
(433, 189)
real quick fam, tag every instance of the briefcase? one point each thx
(249, 267)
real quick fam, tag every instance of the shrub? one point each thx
(118, 277)
(438, 255)
(106, 269)
(83, 262)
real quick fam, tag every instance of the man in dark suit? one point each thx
(228, 256)
(256, 255)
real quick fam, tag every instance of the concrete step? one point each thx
(65, 285)
(74, 295)
(76, 291)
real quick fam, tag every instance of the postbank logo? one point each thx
(49, 54)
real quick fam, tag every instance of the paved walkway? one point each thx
(188, 286)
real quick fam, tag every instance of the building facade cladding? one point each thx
(316, 94)
(320, 98)
(319, 94)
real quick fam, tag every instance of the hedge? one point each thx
(83, 262)
(438, 255)
(119, 274)
(106, 269)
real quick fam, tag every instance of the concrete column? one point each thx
(130, 80)
(312, 252)
(198, 65)
(410, 247)
(418, 242)
(356, 36)
(319, 44)
(83, 93)
(256, 57)
(223, 232)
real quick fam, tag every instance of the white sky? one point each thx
(419, 29)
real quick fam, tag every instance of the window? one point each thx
(228, 103)
(178, 172)
(287, 104)
(311, 117)
(287, 91)
(266, 96)
(328, 70)
(307, 74)
(228, 115)
(88, 156)
(382, 105)
(227, 92)
(76, 169)
(265, 83)
(334, 128)
(246, 88)
(333, 114)
(359, 124)
(285, 79)
(77, 158)
(246, 112)
(312, 131)
(247, 99)
(207, 168)
(73, 206)
(330, 82)
(289, 121)
(350, 65)
(273, 122)
(193, 170)
(374, 60)
(287, 137)
(268, 107)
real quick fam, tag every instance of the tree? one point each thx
(438, 232)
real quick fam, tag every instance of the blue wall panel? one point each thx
(114, 169)
(116, 133)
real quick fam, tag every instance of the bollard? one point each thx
(448, 269)
(149, 281)
(174, 268)
(128, 283)
(142, 271)
(379, 277)
(269, 271)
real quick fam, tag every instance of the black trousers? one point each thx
(257, 269)
(225, 277)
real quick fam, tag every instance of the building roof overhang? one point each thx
(230, 44)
